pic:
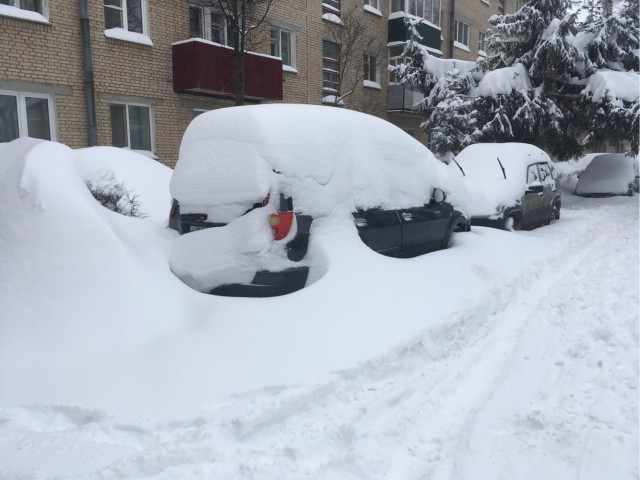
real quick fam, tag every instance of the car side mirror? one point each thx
(535, 186)
(438, 195)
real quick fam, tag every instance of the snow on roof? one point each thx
(324, 157)
(487, 186)
(503, 81)
(613, 86)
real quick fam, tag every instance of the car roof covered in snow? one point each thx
(324, 157)
(608, 173)
(484, 179)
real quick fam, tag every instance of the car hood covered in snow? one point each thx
(487, 186)
(327, 159)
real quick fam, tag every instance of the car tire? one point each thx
(513, 223)
(556, 211)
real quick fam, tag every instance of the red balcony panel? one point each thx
(202, 67)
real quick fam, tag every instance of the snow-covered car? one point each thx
(511, 185)
(609, 174)
(265, 175)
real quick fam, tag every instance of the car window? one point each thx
(545, 173)
(532, 174)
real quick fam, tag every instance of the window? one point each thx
(461, 33)
(127, 14)
(331, 6)
(373, 3)
(131, 126)
(370, 68)
(205, 22)
(37, 6)
(283, 45)
(427, 9)
(482, 41)
(546, 176)
(519, 4)
(26, 115)
(330, 66)
(395, 59)
(532, 174)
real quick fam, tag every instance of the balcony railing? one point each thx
(400, 98)
(201, 67)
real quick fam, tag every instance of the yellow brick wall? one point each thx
(49, 54)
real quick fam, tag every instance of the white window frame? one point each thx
(292, 45)
(44, 5)
(482, 41)
(432, 15)
(152, 126)
(394, 61)
(367, 68)
(461, 27)
(373, 3)
(23, 127)
(125, 21)
(207, 13)
(331, 71)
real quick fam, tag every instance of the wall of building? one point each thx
(47, 59)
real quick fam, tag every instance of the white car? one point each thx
(609, 174)
(263, 176)
(511, 185)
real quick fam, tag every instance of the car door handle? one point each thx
(407, 216)
(540, 194)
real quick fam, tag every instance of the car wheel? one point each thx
(513, 223)
(556, 211)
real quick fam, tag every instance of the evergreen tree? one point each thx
(611, 40)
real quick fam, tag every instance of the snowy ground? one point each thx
(508, 356)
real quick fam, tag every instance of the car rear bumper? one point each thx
(267, 284)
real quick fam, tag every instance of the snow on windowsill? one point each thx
(133, 37)
(332, 17)
(14, 12)
(332, 99)
(289, 68)
(461, 46)
(434, 50)
(370, 84)
(482, 53)
(486, 2)
(374, 10)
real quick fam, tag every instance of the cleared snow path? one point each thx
(538, 382)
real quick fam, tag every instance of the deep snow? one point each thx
(511, 355)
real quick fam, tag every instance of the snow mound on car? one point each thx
(484, 180)
(608, 174)
(328, 159)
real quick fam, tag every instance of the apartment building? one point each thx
(134, 73)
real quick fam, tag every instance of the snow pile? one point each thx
(503, 81)
(613, 86)
(329, 160)
(520, 348)
(109, 166)
(488, 189)
(608, 174)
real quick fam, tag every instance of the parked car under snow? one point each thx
(609, 174)
(265, 175)
(511, 185)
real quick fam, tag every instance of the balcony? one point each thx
(401, 99)
(201, 67)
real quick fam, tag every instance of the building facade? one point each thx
(134, 73)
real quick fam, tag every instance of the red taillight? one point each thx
(280, 224)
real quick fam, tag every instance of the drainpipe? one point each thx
(87, 74)
(452, 23)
